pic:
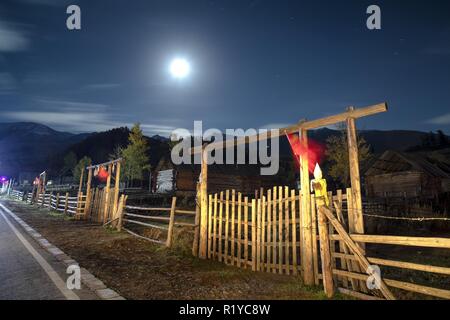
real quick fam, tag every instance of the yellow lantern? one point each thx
(319, 186)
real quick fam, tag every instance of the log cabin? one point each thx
(407, 175)
(245, 178)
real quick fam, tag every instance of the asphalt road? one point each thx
(28, 272)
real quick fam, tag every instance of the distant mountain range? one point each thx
(32, 147)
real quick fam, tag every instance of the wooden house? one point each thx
(408, 175)
(169, 178)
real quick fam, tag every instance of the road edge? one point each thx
(88, 279)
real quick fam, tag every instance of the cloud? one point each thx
(53, 3)
(101, 86)
(12, 39)
(7, 83)
(74, 116)
(442, 120)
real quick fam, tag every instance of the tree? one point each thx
(135, 156)
(116, 154)
(83, 163)
(70, 161)
(337, 156)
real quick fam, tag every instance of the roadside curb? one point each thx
(88, 279)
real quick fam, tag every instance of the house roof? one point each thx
(394, 161)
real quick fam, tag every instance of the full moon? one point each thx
(179, 68)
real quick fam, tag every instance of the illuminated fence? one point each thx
(156, 224)
(17, 195)
(63, 203)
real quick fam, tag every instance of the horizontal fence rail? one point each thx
(163, 219)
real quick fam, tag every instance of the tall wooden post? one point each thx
(204, 205)
(116, 186)
(107, 194)
(325, 254)
(171, 223)
(88, 194)
(354, 175)
(81, 181)
(197, 222)
(305, 218)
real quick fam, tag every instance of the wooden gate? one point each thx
(259, 233)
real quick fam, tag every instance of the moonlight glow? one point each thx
(179, 68)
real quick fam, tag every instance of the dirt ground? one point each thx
(138, 269)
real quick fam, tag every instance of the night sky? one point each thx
(254, 63)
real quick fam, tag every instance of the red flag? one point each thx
(102, 174)
(313, 150)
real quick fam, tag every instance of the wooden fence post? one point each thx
(57, 201)
(204, 205)
(88, 194)
(171, 222)
(254, 225)
(327, 271)
(66, 203)
(106, 199)
(119, 212)
(305, 217)
(197, 224)
(354, 175)
(116, 186)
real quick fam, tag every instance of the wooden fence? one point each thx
(17, 195)
(161, 219)
(62, 203)
(262, 234)
(348, 267)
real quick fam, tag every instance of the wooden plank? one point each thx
(263, 232)
(427, 242)
(245, 232)
(345, 264)
(294, 231)
(227, 223)
(269, 230)
(214, 248)
(314, 239)
(146, 224)
(203, 205)
(171, 223)
(233, 222)
(399, 264)
(356, 294)
(353, 266)
(239, 231)
(210, 207)
(325, 254)
(258, 233)
(280, 230)
(302, 125)
(355, 249)
(274, 229)
(220, 227)
(254, 224)
(286, 228)
(156, 218)
(440, 293)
